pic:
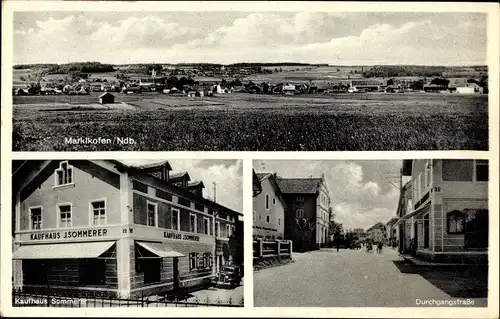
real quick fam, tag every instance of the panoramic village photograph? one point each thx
(128, 233)
(370, 233)
(249, 81)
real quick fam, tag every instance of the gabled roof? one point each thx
(194, 184)
(153, 165)
(106, 93)
(178, 175)
(378, 225)
(299, 185)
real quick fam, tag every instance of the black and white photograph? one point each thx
(370, 233)
(127, 233)
(232, 80)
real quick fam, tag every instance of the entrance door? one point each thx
(177, 277)
(426, 231)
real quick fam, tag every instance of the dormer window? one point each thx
(64, 174)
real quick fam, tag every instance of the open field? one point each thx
(246, 122)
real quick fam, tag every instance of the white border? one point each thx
(492, 155)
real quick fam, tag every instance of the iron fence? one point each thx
(22, 298)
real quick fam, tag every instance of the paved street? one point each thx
(354, 278)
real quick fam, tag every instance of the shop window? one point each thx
(206, 226)
(92, 272)
(192, 261)
(36, 217)
(152, 214)
(476, 228)
(98, 212)
(206, 260)
(64, 174)
(192, 223)
(455, 222)
(481, 170)
(200, 264)
(457, 170)
(299, 213)
(151, 267)
(64, 215)
(34, 272)
(267, 201)
(176, 219)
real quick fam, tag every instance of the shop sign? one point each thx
(87, 233)
(178, 236)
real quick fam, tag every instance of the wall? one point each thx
(90, 182)
(276, 226)
(291, 232)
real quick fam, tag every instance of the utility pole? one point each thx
(215, 192)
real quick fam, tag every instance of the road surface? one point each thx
(354, 278)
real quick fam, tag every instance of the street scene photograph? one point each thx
(234, 80)
(127, 233)
(370, 233)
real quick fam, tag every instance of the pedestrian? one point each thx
(338, 245)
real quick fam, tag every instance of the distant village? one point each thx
(206, 81)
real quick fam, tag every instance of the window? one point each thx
(455, 222)
(427, 174)
(64, 174)
(217, 228)
(206, 226)
(36, 217)
(279, 221)
(268, 219)
(299, 199)
(232, 229)
(152, 214)
(228, 230)
(151, 268)
(192, 223)
(481, 170)
(267, 201)
(64, 215)
(175, 219)
(200, 261)
(476, 228)
(98, 212)
(254, 216)
(299, 213)
(457, 170)
(192, 261)
(274, 200)
(92, 272)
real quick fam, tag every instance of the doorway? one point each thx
(177, 277)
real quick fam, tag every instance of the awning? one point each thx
(160, 250)
(416, 214)
(63, 251)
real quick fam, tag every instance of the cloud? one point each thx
(315, 37)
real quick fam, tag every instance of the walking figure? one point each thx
(338, 245)
(379, 247)
(369, 247)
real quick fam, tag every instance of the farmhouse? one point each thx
(132, 90)
(106, 98)
(289, 89)
(104, 227)
(367, 85)
(444, 213)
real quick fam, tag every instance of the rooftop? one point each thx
(298, 185)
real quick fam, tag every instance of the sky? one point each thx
(361, 193)
(227, 174)
(339, 38)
